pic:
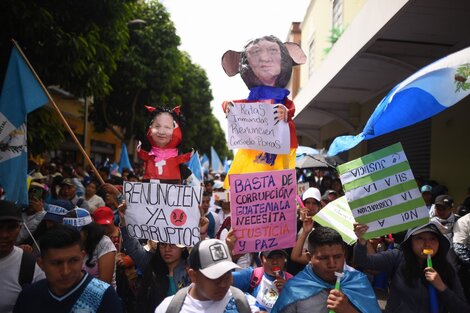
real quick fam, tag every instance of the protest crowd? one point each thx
(150, 238)
(137, 275)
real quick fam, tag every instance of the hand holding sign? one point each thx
(263, 210)
(382, 193)
(360, 230)
(256, 126)
(281, 111)
(163, 212)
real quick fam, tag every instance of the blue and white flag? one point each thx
(114, 168)
(195, 166)
(424, 94)
(227, 164)
(124, 159)
(21, 94)
(216, 164)
(205, 163)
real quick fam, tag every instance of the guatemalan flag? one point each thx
(21, 94)
(205, 163)
(197, 172)
(124, 161)
(216, 164)
(424, 94)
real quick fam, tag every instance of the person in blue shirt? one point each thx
(265, 283)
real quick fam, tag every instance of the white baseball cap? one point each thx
(212, 258)
(312, 192)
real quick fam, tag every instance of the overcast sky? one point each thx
(208, 28)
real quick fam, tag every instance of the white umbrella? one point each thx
(303, 150)
(307, 157)
(308, 160)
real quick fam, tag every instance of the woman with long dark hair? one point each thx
(163, 272)
(420, 272)
(164, 275)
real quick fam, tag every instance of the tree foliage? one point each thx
(53, 134)
(74, 44)
(147, 74)
(203, 129)
(89, 48)
(154, 72)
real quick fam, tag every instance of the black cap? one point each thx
(269, 253)
(10, 211)
(444, 200)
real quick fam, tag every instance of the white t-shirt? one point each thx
(191, 305)
(9, 286)
(217, 221)
(95, 202)
(223, 216)
(104, 246)
(267, 293)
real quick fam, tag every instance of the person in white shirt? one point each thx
(444, 215)
(11, 256)
(94, 201)
(34, 212)
(210, 270)
(213, 218)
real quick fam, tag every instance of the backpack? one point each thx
(240, 299)
(258, 275)
(27, 267)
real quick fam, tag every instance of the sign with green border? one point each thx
(382, 192)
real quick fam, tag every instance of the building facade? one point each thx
(99, 146)
(357, 51)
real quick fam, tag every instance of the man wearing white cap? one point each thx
(210, 270)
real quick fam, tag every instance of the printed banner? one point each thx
(382, 193)
(163, 212)
(337, 215)
(263, 210)
(253, 126)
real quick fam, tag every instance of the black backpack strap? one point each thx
(177, 302)
(240, 299)
(27, 267)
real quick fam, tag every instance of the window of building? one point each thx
(311, 55)
(337, 14)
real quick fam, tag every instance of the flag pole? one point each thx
(98, 176)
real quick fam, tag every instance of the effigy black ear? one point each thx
(296, 53)
(231, 62)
